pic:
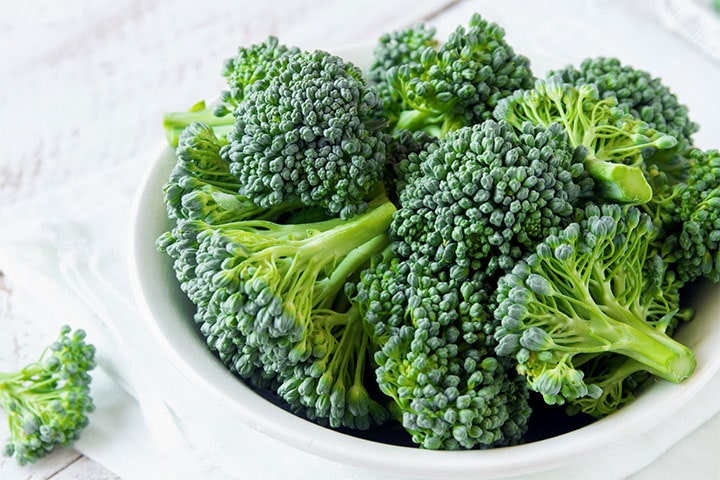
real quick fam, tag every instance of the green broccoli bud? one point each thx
(271, 303)
(459, 82)
(47, 402)
(594, 288)
(635, 92)
(310, 132)
(433, 358)
(485, 195)
(614, 140)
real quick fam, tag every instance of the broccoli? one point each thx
(614, 140)
(395, 49)
(596, 287)
(201, 187)
(636, 92)
(47, 402)
(459, 82)
(313, 132)
(434, 356)
(249, 65)
(690, 215)
(271, 303)
(485, 195)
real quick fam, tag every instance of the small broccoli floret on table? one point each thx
(614, 140)
(313, 132)
(459, 82)
(636, 92)
(271, 303)
(435, 359)
(47, 402)
(250, 64)
(485, 195)
(596, 287)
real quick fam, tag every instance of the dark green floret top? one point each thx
(312, 132)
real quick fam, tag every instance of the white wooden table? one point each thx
(83, 85)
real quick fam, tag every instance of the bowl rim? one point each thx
(208, 374)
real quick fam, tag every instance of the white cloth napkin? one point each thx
(150, 421)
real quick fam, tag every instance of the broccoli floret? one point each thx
(270, 302)
(459, 82)
(47, 402)
(250, 64)
(691, 215)
(201, 187)
(485, 195)
(594, 288)
(395, 49)
(313, 132)
(636, 92)
(614, 140)
(435, 360)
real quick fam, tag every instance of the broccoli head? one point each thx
(434, 355)
(459, 82)
(485, 195)
(311, 131)
(403, 159)
(271, 303)
(636, 92)
(595, 288)
(614, 140)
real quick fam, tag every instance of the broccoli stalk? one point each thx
(47, 402)
(271, 302)
(175, 122)
(614, 140)
(588, 291)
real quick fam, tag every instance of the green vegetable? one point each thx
(457, 83)
(689, 213)
(614, 140)
(485, 195)
(596, 287)
(47, 402)
(312, 132)
(435, 358)
(250, 64)
(443, 240)
(636, 92)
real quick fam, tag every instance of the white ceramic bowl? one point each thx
(169, 315)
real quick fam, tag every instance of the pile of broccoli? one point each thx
(445, 239)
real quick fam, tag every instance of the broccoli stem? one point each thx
(616, 181)
(175, 123)
(659, 353)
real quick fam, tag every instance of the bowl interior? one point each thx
(554, 440)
